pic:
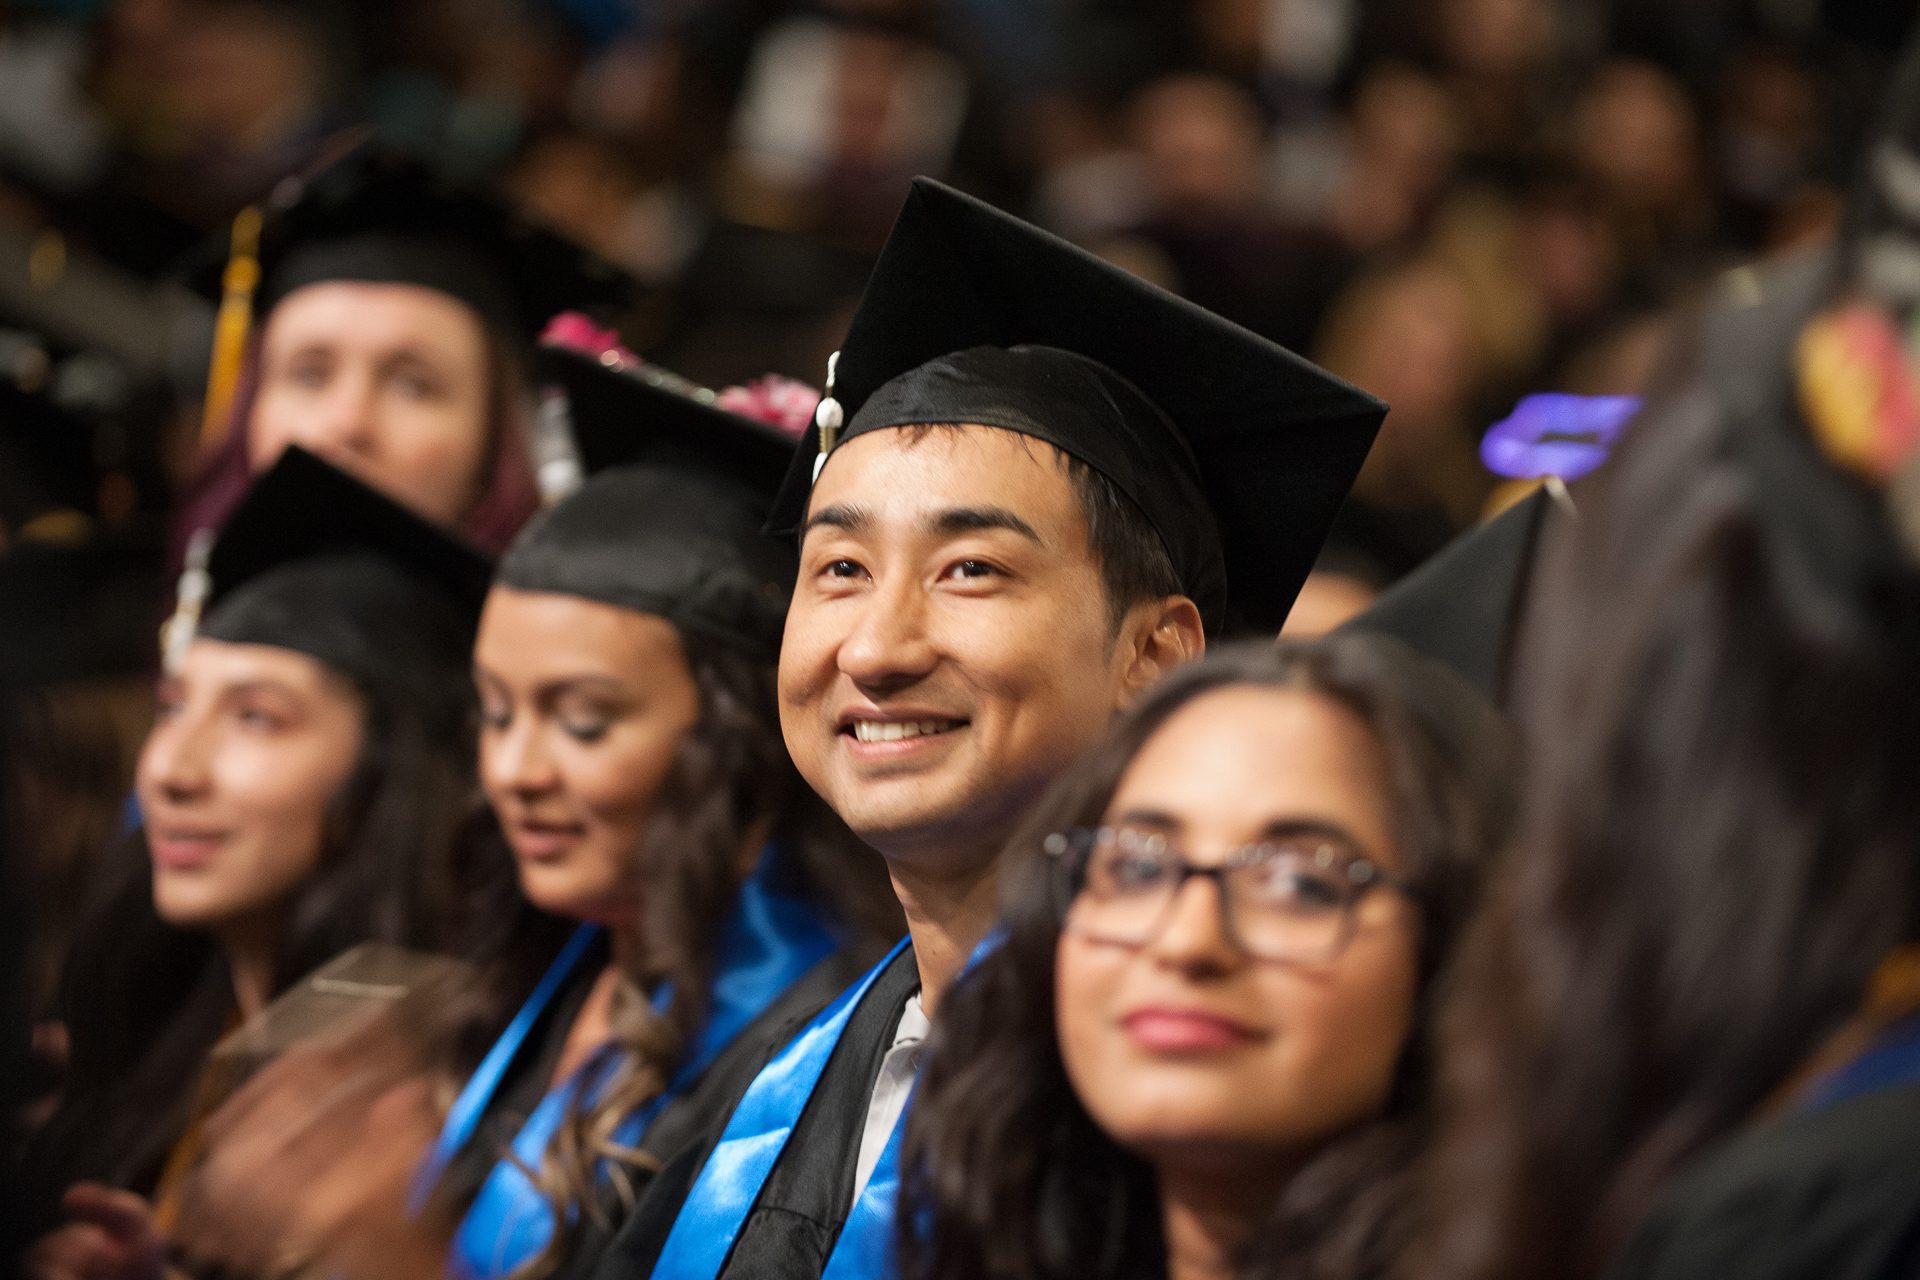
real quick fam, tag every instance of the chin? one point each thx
(561, 895)
(1200, 1145)
(189, 909)
(1188, 1109)
(906, 815)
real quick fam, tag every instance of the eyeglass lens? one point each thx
(1281, 901)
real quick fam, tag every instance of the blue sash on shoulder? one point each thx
(1893, 1059)
(724, 1193)
(766, 943)
(726, 1189)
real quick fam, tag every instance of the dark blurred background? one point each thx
(1450, 202)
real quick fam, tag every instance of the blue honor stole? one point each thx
(766, 943)
(724, 1193)
(1893, 1059)
(757, 1133)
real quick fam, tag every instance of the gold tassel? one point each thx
(230, 329)
(1895, 989)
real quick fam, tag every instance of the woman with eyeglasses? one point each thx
(1201, 1046)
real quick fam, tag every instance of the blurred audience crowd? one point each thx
(1450, 204)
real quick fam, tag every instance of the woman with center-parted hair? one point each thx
(1202, 1043)
(301, 788)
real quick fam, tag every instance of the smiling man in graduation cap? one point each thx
(1037, 485)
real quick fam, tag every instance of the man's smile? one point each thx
(895, 730)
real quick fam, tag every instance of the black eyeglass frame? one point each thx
(1362, 875)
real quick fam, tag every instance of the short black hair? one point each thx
(1134, 564)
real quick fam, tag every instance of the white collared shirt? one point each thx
(891, 1090)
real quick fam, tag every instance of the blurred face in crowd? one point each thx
(1182, 1045)
(1636, 133)
(583, 706)
(1402, 140)
(250, 744)
(389, 382)
(948, 648)
(1201, 138)
(1495, 37)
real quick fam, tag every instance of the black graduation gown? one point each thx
(1832, 1194)
(687, 1127)
(525, 1082)
(791, 1230)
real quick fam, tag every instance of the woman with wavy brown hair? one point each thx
(631, 754)
(1202, 1044)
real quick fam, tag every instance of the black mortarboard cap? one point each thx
(1237, 451)
(79, 612)
(379, 215)
(303, 507)
(619, 417)
(670, 522)
(315, 561)
(1464, 607)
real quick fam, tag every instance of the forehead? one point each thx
(1246, 756)
(901, 478)
(215, 663)
(366, 312)
(540, 635)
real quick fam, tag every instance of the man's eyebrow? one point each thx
(847, 519)
(968, 519)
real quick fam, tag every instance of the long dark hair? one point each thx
(1722, 719)
(731, 775)
(1006, 1177)
(144, 1000)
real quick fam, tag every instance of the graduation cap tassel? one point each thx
(234, 322)
(557, 469)
(827, 416)
(1557, 488)
(195, 585)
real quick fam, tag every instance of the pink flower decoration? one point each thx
(572, 331)
(781, 403)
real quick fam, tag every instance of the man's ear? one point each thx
(1157, 636)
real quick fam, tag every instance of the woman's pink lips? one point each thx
(1185, 1031)
(183, 850)
(544, 841)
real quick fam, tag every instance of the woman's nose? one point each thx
(512, 759)
(1193, 935)
(174, 762)
(347, 422)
